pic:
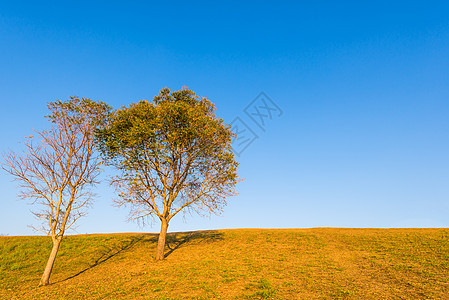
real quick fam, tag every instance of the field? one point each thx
(318, 263)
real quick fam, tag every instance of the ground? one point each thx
(318, 263)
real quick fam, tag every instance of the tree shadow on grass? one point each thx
(110, 252)
(176, 240)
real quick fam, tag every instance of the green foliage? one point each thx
(172, 152)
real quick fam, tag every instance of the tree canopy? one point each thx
(173, 154)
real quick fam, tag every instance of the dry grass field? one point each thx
(319, 263)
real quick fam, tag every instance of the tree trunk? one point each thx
(161, 242)
(45, 280)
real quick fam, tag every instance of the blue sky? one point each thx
(363, 140)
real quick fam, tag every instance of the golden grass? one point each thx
(319, 263)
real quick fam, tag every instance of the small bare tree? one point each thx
(58, 169)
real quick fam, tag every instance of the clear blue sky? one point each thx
(363, 140)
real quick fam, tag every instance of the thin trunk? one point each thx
(161, 242)
(45, 280)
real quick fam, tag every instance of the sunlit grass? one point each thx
(321, 263)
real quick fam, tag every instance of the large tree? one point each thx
(59, 166)
(173, 154)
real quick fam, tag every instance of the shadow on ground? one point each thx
(177, 240)
(174, 241)
(111, 251)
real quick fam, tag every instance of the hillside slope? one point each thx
(330, 263)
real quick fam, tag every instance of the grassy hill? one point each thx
(319, 263)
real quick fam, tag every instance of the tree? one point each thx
(58, 170)
(173, 154)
